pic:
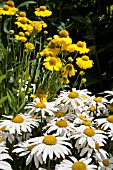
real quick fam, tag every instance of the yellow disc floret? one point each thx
(1, 138)
(79, 166)
(30, 147)
(50, 140)
(61, 123)
(110, 118)
(97, 146)
(87, 122)
(106, 162)
(63, 34)
(73, 95)
(18, 119)
(41, 105)
(60, 114)
(89, 132)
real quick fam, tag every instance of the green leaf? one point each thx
(26, 3)
(6, 25)
(2, 78)
(89, 37)
(21, 107)
(3, 100)
(79, 18)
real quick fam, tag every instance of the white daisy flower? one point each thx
(109, 93)
(6, 135)
(74, 164)
(23, 149)
(105, 123)
(89, 135)
(18, 124)
(73, 98)
(4, 156)
(105, 164)
(3, 164)
(83, 118)
(50, 145)
(96, 152)
(46, 108)
(61, 127)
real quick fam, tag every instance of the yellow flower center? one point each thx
(52, 61)
(73, 95)
(106, 162)
(85, 58)
(97, 146)
(42, 8)
(89, 132)
(52, 45)
(98, 99)
(92, 108)
(110, 118)
(60, 114)
(23, 20)
(79, 166)
(63, 34)
(87, 122)
(1, 138)
(30, 147)
(3, 129)
(22, 14)
(82, 117)
(21, 34)
(80, 44)
(110, 107)
(10, 3)
(50, 140)
(18, 119)
(41, 105)
(5, 7)
(61, 123)
(69, 67)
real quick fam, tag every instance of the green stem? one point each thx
(49, 167)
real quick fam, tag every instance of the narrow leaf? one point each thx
(26, 3)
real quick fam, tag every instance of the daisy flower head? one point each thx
(109, 94)
(62, 39)
(52, 63)
(23, 148)
(105, 123)
(98, 153)
(61, 127)
(84, 62)
(105, 164)
(88, 135)
(74, 164)
(19, 123)
(80, 47)
(46, 108)
(6, 135)
(4, 156)
(49, 146)
(43, 12)
(68, 70)
(72, 98)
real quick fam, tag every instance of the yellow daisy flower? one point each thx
(68, 70)
(21, 37)
(62, 39)
(29, 46)
(84, 62)
(80, 47)
(42, 12)
(52, 63)
(8, 10)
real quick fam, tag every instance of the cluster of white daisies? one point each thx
(73, 132)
